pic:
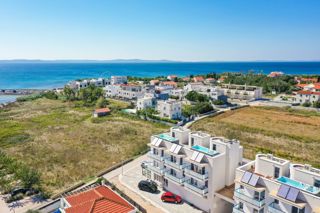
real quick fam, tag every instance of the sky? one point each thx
(184, 30)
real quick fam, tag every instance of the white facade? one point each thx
(177, 92)
(271, 184)
(119, 79)
(124, 91)
(241, 92)
(144, 103)
(212, 92)
(306, 97)
(195, 166)
(98, 82)
(169, 108)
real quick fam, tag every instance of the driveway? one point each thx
(131, 178)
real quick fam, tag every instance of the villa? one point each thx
(241, 92)
(169, 108)
(271, 184)
(304, 96)
(119, 80)
(144, 103)
(196, 166)
(95, 200)
(124, 91)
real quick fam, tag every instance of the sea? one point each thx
(47, 75)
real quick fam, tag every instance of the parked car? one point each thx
(148, 186)
(170, 197)
(16, 191)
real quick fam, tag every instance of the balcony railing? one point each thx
(174, 178)
(195, 174)
(156, 157)
(157, 170)
(274, 208)
(239, 193)
(236, 209)
(174, 165)
(198, 189)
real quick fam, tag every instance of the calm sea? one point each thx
(51, 75)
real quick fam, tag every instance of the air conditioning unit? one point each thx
(307, 166)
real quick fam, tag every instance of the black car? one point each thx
(16, 191)
(148, 186)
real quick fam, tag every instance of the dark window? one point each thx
(173, 134)
(276, 172)
(276, 201)
(192, 141)
(214, 146)
(317, 183)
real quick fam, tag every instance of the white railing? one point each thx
(192, 173)
(173, 164)
(156, 169)
(236, 209)
(200, 190)
(239, 193)
(174, 178)
(156, 157)
(274, 208)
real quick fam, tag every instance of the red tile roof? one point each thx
(304, 92)
(301, 85)
(198, 78)
(316, 86)
(171, 83)
(97, 200)
(102, 110)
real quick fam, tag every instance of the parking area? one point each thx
(131, 178)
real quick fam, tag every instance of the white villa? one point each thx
(271, 184)
(124, 91)
(195, 166)
(81, 84)
(304, 96)
(119, 80)
(144, 102)
(169, 108)
(241, 92)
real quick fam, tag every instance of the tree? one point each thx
(51, 95)
(101, 102)
(196, 97)
(316, 104)
(69, 93)
(306, 104)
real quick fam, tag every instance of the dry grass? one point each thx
(290, 134)
(65, 145)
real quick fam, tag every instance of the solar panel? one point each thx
(158, 142)
(293, 194)
(246, 177)
(283, 191)
(199, 157)
(177, 149)
(154, 141)
(254, 180)
(194, 155)
(173, 147)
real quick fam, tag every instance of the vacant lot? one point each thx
(65, 144)
(286, 133)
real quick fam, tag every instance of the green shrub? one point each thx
(306, 104)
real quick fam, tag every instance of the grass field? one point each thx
(286, 133)
(65, 144)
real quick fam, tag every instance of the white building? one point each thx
(177, 92)
(124, 91)
(82, 84)
(119, 80)
(271, 184)
(241, 92)
(212, 92)
(195, 166)
(304, 96)
(144, 103)
(169, 108)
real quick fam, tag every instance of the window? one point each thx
(276, 201)
(173, 134)
(276, 172)
(214, 147)
(192, 141)
(316, 182)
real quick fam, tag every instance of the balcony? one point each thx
(198, 189)
(240, 194)
(173, 164)
(156, 157)
(174, 178)
(274, 208)
(155, 169)
(195, 174)
(236, 209)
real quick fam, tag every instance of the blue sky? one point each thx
(188, 30)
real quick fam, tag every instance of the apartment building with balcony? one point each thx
(169, 108)
(241, 92)
(195, 166)
(275, 185)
